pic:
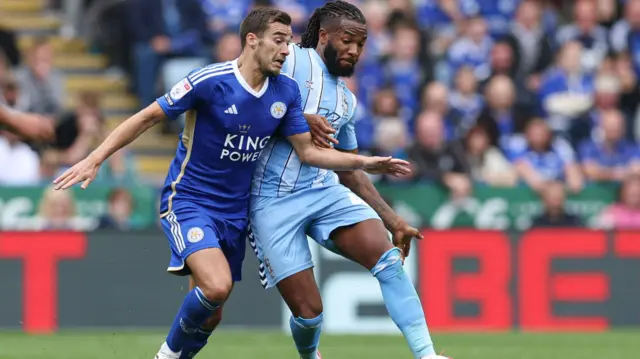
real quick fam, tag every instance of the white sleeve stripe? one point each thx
(210, 71)
(212, 75)
(209, 68)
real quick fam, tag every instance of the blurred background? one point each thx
(517, 115)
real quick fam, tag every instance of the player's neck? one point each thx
(250, 71)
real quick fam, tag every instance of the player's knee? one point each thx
(216, 289)
(389, 265)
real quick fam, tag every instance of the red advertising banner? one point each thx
(541, 280)
(546, 279)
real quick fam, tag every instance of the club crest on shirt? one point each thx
(180, 90)
(278, 110)
(195, 235)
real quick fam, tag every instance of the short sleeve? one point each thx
(347, 139)
(293, 122)
(183, 96)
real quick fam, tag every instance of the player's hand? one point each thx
(34, 127)
(84, 171)
(386, 165)
(402, 234)
(321, 130)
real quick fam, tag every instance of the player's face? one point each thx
(344, 47)
(273, 48)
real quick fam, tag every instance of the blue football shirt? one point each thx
(280, 171)
(228, 125)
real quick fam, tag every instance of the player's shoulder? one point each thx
(284, 82)
(211, 74)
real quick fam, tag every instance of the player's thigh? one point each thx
(350, 227)
(277, 235)
(300, 292)
(195, 249)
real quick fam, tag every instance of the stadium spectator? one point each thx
(625, 34)
(172, 29)
(9, 46)
(498, 14)
(57, 211)
(544, 159)
(566, 91)
(5, 67)
(41, 85)
(487, 163)
(436, 160)
(500, 116)
(379, 41)
(119, 215)
(625, 213)
(472, 49)
(465, 103)
(10, 93)
(554, 213)
(228, 47)
(76, 134)
(531, 44)
(391, 133)
(587, 32)
(225, 15)
(440, 19)
(20, 164)
(404, 70)
(609, 156)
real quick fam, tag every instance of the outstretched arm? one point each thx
(87, 169)
(340, 161)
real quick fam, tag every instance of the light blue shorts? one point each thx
(279, 227)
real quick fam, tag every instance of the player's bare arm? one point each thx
(30, 126)
(86, 170)
(341, 161)
(358, 182)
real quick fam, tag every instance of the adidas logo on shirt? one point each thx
(232, 110)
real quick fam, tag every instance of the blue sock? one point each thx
(306, 335)
(195, 344)
(195, 310)
(402, 302)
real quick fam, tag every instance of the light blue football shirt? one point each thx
(279, 170)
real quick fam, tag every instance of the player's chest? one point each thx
(250, 116)
(335, 104)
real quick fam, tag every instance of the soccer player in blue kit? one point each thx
(232, 111)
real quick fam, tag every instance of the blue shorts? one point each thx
(279, 227)
(190, 228)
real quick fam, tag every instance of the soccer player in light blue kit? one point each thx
(310, 200)
(232, 111)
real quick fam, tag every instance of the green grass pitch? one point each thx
(235, 344)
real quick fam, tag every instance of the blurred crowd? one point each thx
(496, 92)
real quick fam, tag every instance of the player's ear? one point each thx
(323, 36)
(252, 40)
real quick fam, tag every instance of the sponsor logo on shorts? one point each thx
(195, 235)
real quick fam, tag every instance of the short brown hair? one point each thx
(258, 21)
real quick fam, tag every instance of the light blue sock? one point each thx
(195, 310)
(402, 302)
(306, 335)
